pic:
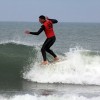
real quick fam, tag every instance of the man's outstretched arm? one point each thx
(39, 31)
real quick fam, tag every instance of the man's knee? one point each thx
(42, 49)
(48, 49)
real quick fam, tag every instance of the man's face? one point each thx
(41, 20)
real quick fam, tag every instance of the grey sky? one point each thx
(63, 10)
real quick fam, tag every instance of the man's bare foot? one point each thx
(56, 59)
(44, 62)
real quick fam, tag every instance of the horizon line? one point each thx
(59, 21)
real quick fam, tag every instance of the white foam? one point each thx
(50, 97)
(76, 69)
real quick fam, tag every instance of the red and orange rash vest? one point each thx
(49, 29)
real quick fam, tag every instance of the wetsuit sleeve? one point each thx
(54, 21)
(39, 31)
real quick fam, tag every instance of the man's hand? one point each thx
(27, 32)
(46, 17)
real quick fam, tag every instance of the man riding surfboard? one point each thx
(47, 27)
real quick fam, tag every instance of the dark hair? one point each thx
(42, 17)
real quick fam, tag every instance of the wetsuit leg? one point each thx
(52, 41)
(46, 47)
(43, 49)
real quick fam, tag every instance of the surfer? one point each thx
(47, 27)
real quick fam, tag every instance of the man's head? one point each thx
(42, 19)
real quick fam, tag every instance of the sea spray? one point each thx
(76, 68)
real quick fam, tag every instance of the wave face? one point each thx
(76, 67)
(13, 56)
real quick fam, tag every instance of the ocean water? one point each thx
(75, 77)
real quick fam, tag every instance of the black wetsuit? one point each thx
(48, 42)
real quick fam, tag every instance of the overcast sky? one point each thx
(63, 10)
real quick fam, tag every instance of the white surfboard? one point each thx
(61, 61)
(58, 62)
